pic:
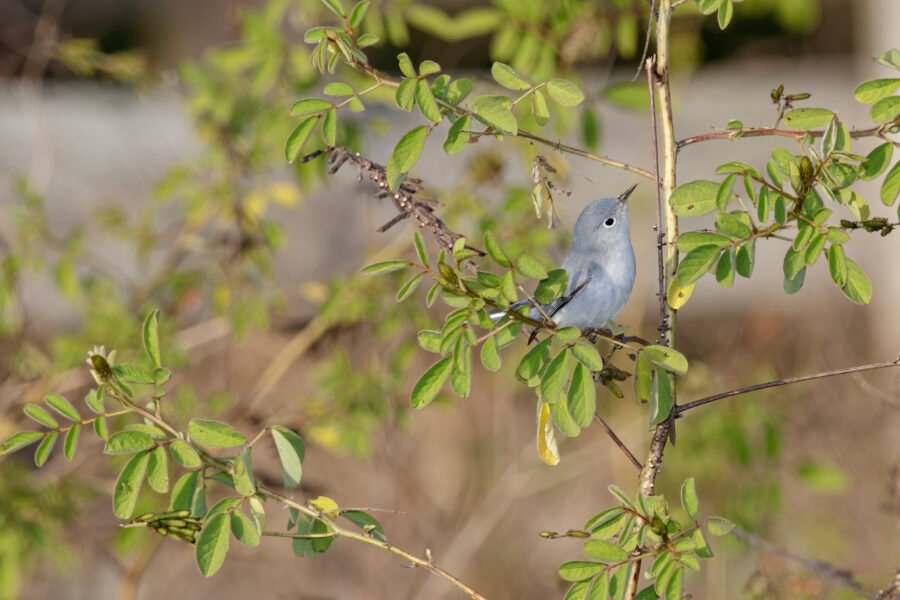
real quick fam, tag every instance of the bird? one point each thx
(600, 267)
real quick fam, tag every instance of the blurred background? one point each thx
(141, 166)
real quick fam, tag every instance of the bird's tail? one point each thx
(497, 315)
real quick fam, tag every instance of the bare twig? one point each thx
(779, 382)
(774, 131)
(825, 570)
(618, 441)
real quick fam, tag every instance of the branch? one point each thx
(618, 441)
(391, 82)
(843, 577)
(773, 131)
(346, 533)
(779, 382)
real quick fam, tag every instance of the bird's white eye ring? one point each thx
(610, 222)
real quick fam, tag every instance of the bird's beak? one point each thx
(623, 197)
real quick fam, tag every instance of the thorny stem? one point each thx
(666, 185)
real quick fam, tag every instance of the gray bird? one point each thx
(600, 266)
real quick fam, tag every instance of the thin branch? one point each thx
(391, 82)
(660, 236)
(843, 577)
(618, 441)
(774, 131)
(779, 382)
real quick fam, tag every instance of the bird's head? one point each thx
(603, 223)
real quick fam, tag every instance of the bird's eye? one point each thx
(610, 222)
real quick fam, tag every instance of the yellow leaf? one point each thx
(679, 294)
(546, 441)
(325, 505)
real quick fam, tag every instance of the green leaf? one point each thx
(158, 470)
(726, 10)
(890, 59)
(696, 263)
(151, 338)
(661, 398)
(406, 65)
(19, 440)
(405, 155)
(564, 93)
(877, 161)
(45, 448)
(426, 102)
(837, 265)
(128, 485)
(459, 90)
(508, 78)
(329, 127)
(886, 109)
(604, 551)
(71, 442)
(675, 586)
(100, 428)
(694, 198)
(689, 240)
(366, 522)
(212, 546)
(530, 267)
(409, 287)
(291, 451)
(552, 286)
(93, 401)
(419, 243)
(876, 89)
(890, 187)
(185, 454)
(133, 373)
(430, 383)
(689, 499)
(244, 529)
(128, 442)
(183, 491)
(490, 354)
(335, 7)
(804, 119)
(555, 377)
(310, 106)
(387, 266)
(430, 340)
(539, 109)
(298, 137)
(588, 356)
(495, 251)
(531, 364)
(338, 88)
(719, 526)
(429, 67)
(725, 269)
(496, 112)
(793, 285)
(214, 434)
(243, 479)
(629, 95)
(40, 415)
(858, 287)
(62, 406)
(358, 13)
(457, 138)
(406, 94)
(582, 396)
(643, 379)
(745, 259)
(579, 570)
(731, 225)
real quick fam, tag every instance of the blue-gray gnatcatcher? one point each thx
(600, 265)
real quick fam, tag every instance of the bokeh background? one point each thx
(141, 166)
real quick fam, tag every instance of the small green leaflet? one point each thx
(128, 485)
(214, 434)
(429, 384)
(405, 155)
(213, 544)
(291, 451)
(151, 336)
